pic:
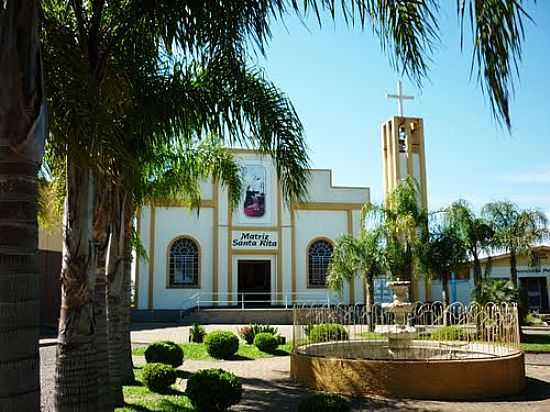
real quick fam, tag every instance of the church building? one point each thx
(264, 251)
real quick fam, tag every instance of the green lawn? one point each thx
(139, 399)
(197, 351)
(536, 343)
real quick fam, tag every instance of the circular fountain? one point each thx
(428, 351)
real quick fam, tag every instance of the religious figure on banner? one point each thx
(254, 177)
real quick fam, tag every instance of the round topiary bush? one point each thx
(158, 377)
(266, 342)
(325, 402)
(214, 390)
(326, 332)
(221, 344)
(164, 352)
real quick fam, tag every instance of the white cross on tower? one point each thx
(400, 97)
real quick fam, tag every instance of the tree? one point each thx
(362, 255)
(516, 231)
(22, 134)
(495, 291)
(442, 254)
(405, 225)
(474, 232)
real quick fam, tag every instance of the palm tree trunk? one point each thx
(369, 282)
(445, 288)
(76, 375)
(22, 133)
(514, 268)
(477, 273)
(114, 269)
(101, 332)
(102, 228)
(19, 285)
(125, 358)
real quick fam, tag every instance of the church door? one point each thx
(254, 282)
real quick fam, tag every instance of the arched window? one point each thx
(183, 264)
(319, 255)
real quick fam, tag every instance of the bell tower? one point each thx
(403, 156)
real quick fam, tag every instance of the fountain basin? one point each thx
(425, 370)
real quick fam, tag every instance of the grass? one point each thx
(138, 398)
(197, 351)
(372, 335)
(536, 343)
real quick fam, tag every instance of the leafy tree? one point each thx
(474, 232)
(516, 231)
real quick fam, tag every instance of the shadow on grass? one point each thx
(164, 405)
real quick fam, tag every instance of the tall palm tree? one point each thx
(362, 255)
(22, 134)
(516, 231)
(474, 231)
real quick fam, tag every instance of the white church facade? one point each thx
(262, 252)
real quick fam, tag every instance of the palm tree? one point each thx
(474, 231)
(405, 224)
(442, 254)
(516, 231)
(362, 255)
(22, 134)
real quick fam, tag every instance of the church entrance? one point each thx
(254, 282)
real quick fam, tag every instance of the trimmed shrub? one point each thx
(248, 333)
(532, 319)
(158, 377)
(266, 342)
(196, 333)
(326, 332)
(221, 344)
(213, 390)
(325, 402)
(165, 352)
(450, 333)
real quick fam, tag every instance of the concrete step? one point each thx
(272, 316)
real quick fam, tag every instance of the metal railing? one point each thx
(435, 331)
(246, 300)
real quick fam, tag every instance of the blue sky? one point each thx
(337, 79)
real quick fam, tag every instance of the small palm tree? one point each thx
(474, 232)
(358, 256)
(442, 254)
(404, 223)
(516, 231)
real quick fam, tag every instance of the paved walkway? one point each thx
(268, 388)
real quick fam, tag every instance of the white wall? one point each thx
(173, 222)
(321, 190)
(311, 225)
